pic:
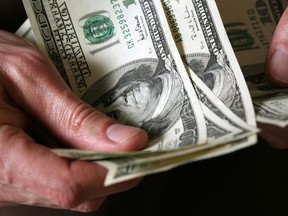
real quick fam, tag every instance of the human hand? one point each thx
(277, 57)
(277, 74)
(30, 87)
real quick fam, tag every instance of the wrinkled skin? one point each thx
(30, 173)
(277, 74)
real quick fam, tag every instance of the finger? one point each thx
(34, 169)
(11, 39)
(39, 88)
(274, 135)
(11, 115)
(90, 206)
(277, 58)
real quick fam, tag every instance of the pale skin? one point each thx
(29, 172)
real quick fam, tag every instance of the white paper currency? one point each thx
(250, 26)
(201, 40)
(97, 48)
(25, 31)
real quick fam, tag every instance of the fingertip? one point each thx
(277, 56)
(129, 138)
(277, 68)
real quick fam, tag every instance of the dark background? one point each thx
(253, 181)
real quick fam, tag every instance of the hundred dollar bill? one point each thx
(123, 169)
(272, 109)
(109, 52)
(25, 31)
(134, 76)
(205, 49)
(270, 103)
(223, 118)
(204, 46)
(208, 101)
(250, 25)
(137, 56)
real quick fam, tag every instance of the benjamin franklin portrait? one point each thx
(146, 96)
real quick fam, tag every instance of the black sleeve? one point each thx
(12, 14)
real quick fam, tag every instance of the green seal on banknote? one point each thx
(98, 29)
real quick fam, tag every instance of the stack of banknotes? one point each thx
(168, 67)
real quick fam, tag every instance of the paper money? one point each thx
(202, 43)
(172, 160)
(112, 67)
(108, 53)
(25, 31)
(250, 26)
(273, 110)
(123, 168)
(206, 96)
(95, 54)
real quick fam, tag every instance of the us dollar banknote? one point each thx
(199, 36)
(201, 41)
(25, 31)
(250, 25)
(132, 77)
(120, 57)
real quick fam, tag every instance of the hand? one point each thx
(277, 74)
(277, 58)
(30, 87)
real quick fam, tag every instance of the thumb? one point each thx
(39, 89)
(277, 58)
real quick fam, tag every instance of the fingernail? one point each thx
(120, 133)
(279, 65)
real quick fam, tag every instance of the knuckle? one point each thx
(90, 206)
(79, 116)
(29, 59)
(82, 115)
(21, 63)
(68, 197)
(21, 55)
